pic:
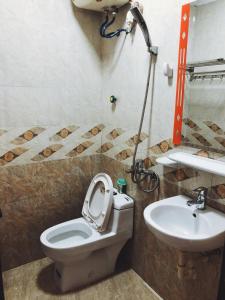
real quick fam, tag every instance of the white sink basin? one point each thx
(183, 227)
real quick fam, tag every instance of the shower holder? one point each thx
(154, 50)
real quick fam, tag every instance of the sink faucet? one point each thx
(200, 197)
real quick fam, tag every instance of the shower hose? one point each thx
(146, 179)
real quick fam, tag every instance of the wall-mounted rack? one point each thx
(177, 159)
(212, 166)
(190, 69)
(207, 75)
(209, 165)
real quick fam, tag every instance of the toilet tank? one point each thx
(122, 214)
(99, 5)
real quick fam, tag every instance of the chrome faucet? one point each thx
(200, 197)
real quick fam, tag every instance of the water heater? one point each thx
(99, 5)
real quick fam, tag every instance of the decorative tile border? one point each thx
(149, 162)
(64, 133)
(218, 191)
(80, 149)
(124, 154)
(203, 153)
(41, 143)
(134, 139)
(115, 133)
(220, 140)
(28, 135)
(105, 147)
(10, 155)
(207, 134)
(47, 152)
(191, 124)
(94, 131)
(162, 147)
(214, 127)
(201, 139)
(116, 143)
(179, 175)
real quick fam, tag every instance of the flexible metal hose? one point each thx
(139, 174)
(106, 24)
(143, 109)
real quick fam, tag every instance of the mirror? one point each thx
(200, 101)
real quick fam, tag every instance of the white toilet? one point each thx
(86, 249)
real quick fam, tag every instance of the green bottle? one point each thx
(122, 185)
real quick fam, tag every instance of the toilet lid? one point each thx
(98, 201)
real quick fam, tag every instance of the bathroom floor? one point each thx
(34, 281)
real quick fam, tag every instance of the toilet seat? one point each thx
(98, 202)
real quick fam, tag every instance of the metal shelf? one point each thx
(207, 75)
(205, 63)
(190, 68)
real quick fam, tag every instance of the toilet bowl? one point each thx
(86, 249)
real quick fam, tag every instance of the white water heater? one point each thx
(99, 5)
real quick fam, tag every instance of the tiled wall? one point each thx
(38, 195)
(23, 184)
(125, 64)
(34, 144)
(55, 111)
(157, 263)
(34, 197)
(119, 144)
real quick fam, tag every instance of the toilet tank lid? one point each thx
(122, 201)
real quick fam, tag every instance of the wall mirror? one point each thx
(200, 98)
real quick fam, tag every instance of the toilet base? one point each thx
(97, 265)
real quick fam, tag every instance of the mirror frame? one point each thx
(181, 73)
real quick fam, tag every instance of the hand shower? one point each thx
(141, 21)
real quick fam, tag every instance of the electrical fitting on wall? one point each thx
(167, 70)
(112, 99)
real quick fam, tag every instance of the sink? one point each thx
(184, 227)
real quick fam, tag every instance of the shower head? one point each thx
(141, 21)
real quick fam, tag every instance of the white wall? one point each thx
(125, 66)
(50, 71)
(56, 71)
(49, 53)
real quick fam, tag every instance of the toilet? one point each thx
(86, 249)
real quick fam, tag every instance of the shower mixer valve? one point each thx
(147, 180)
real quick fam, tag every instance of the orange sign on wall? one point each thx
(181, 74)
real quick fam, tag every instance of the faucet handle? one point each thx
(201, 190)
(201, 196)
